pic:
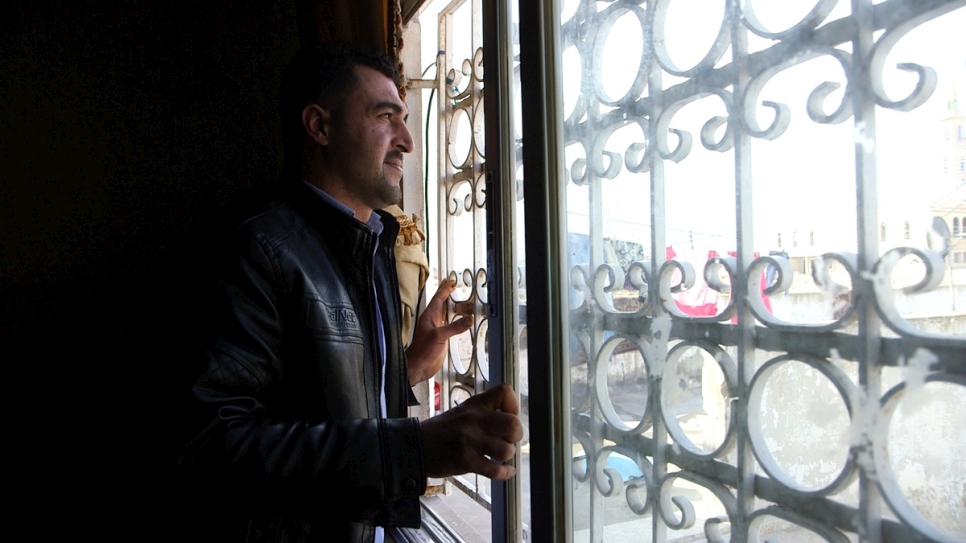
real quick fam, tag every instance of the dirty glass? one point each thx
(766, 237)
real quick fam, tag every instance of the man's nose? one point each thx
(404, 139)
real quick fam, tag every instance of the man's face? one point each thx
(369, 137)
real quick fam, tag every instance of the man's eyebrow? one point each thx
(396, 108)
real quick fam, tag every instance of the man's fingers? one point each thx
(491, 469)
(500, 397)
(454, 328)
(500, 472)
(477, 436)
(498, 450)
(446, 287)
(504, 425)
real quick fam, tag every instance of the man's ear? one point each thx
(317, 123)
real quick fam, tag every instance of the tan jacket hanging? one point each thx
(411, 266)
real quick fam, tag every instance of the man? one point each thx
(298, 428)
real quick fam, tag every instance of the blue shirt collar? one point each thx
(374, 222)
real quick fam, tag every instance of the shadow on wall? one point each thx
(120, 128)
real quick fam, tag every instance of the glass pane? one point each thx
(766, 238)
(451, 47)
(517, 245)
(462, 202)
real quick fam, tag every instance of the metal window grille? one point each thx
(805, 410)
(462, 213)
(642, 358)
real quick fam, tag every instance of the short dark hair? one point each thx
(324, 75)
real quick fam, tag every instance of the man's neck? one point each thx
(334, 189)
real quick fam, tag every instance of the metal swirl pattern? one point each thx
(887, 480)
(462, 202)
(729, 370)
(843, 386)
(636, 134)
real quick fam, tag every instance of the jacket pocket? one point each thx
(344, 384)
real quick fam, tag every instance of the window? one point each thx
(955, 226)
(660, 116)
(811, 237)
(610, 165)
(476, 178)
(779, 240)
(905, 231)
(959, 133)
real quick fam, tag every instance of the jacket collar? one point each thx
(326, 215)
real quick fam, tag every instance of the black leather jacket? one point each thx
(288, 442)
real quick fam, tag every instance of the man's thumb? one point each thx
(501, 397)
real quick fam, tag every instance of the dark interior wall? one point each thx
(122, 124)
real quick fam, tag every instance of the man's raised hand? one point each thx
(425, 354)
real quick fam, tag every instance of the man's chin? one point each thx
(390, 195)
(394, 178)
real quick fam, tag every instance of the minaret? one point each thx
(954, 139)
(952, 206)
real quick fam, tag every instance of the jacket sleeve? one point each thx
(251, 447)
